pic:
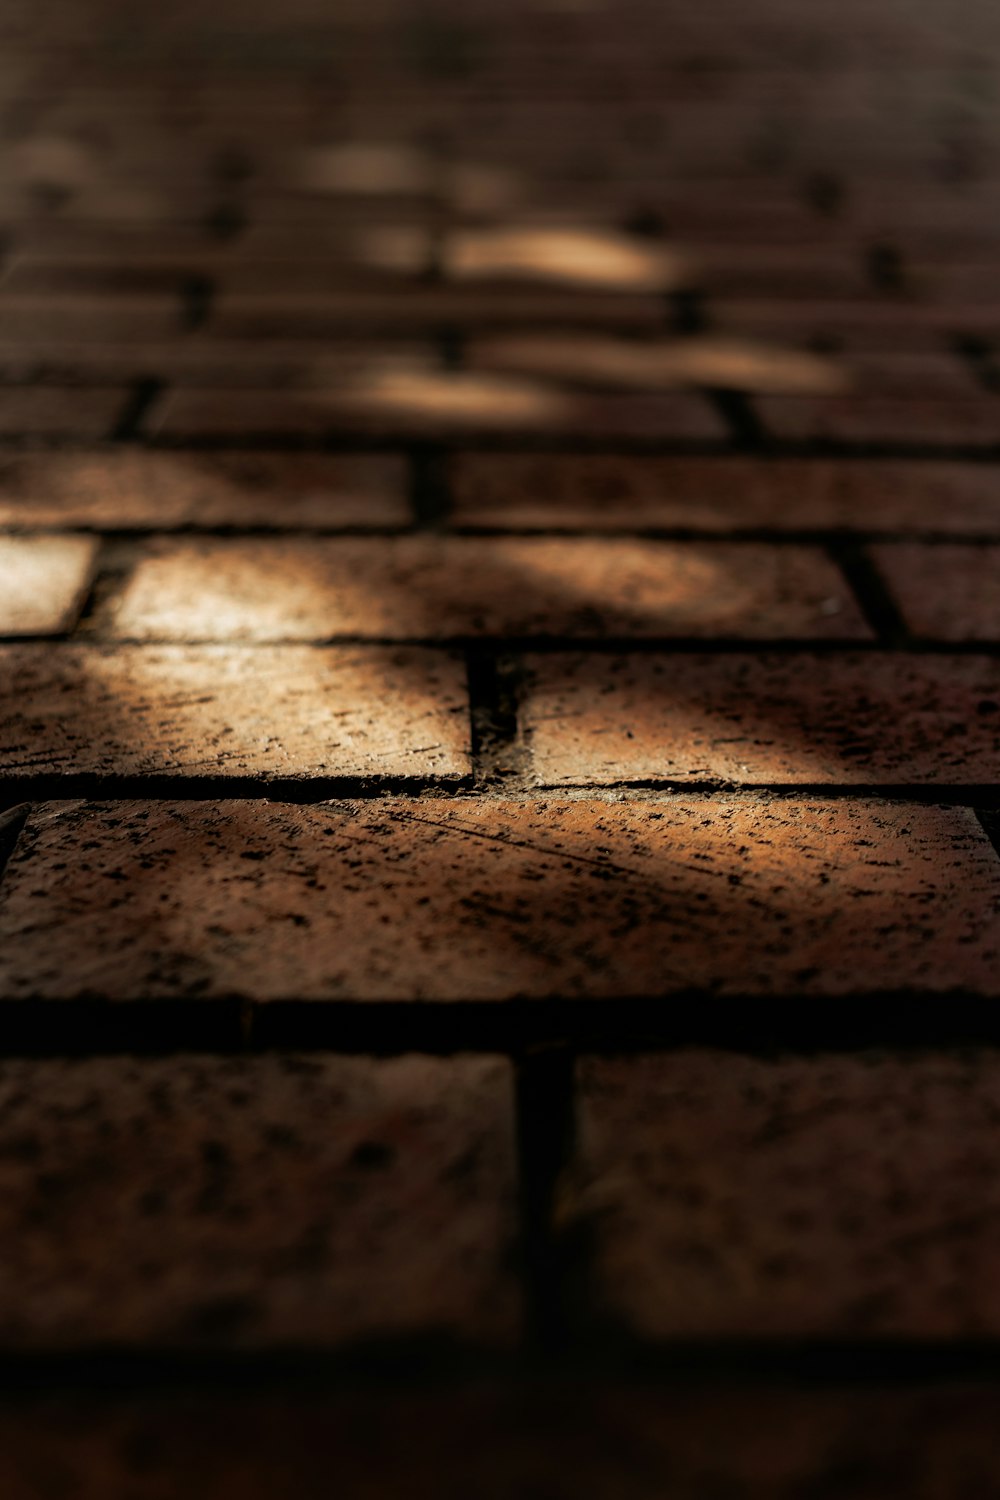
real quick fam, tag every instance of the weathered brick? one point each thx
(43, 582)
(949, 591)
(617, 363)
(538, 491)
(32, 315)
(785, 1198)
(53, 411)
(269, 711)
(416, 587)
(612, 1440)
(311, 315)
(972, 420)
(416, 402)
(133, 489)
(848, 719)
(255, 1201)
(496, 900)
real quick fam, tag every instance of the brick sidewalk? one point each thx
(500, 607)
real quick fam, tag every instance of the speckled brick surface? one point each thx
(439, 587)
(43, 582)
(827, 1195)
(268, 711)
(214, 1202)
(483, 900)
(851, 719)
(949, 593)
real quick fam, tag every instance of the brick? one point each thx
(314, 315)
(433, 587)
(43, 582)
(562, 256)
(789, 719)
(604, 1440)
(80, 315)
(825, 1196)
(949, 591)
(267, 1201)
(132, 489)
(538, 491)
(54, 412)
(496, 900)
(408, 402)
(609, 363)
(961, 421)
(270, 711)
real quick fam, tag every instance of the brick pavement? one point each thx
(499, 874)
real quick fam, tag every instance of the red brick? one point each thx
(602, 1441)
(76, 315)
(832, 1196)
(563, 256)
(971, 420)
(260, 1201)
(312, 315)
(43, 582)
(269, 711)
(132, 489)
(493, 900)
(609, 363)
(415, 402)
(724, 494)
(53, 411)
(432, 587)
(950, 592)
(849, 719)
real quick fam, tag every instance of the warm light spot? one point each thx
(578, 257)
(613, 362)
(362, 167)
(460, 397)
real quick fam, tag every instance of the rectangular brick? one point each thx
(562, 256)
(60, 412)
(132, 489)
(970, 420)
(434, 587)
(239, 1202)
(269, 711)
(607, 363)
(830, 1196)
(947, 592)
(79, 315)
(43, 582)
(499, 900)
(415, 402)
(628, 1439)
(540, 491)
(312, 315)
(790, 719)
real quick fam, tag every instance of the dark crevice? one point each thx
(886, 268)
(495, 688)
(430, 495)
(198, 295)
(737, 410)
(145, 391)
(989, 818)
(866, 583)
(545, 1130)
(12, 822)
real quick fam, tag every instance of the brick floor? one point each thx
(499, 811)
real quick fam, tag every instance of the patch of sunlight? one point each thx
(598, 361)
(575, 257)
(365, 167)
(457, 397)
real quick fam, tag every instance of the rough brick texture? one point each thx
(834, 1196)
(498, 900)
(852, 719)
(950, 593)
(438, 587)
(265, 1201)
(270, 711)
